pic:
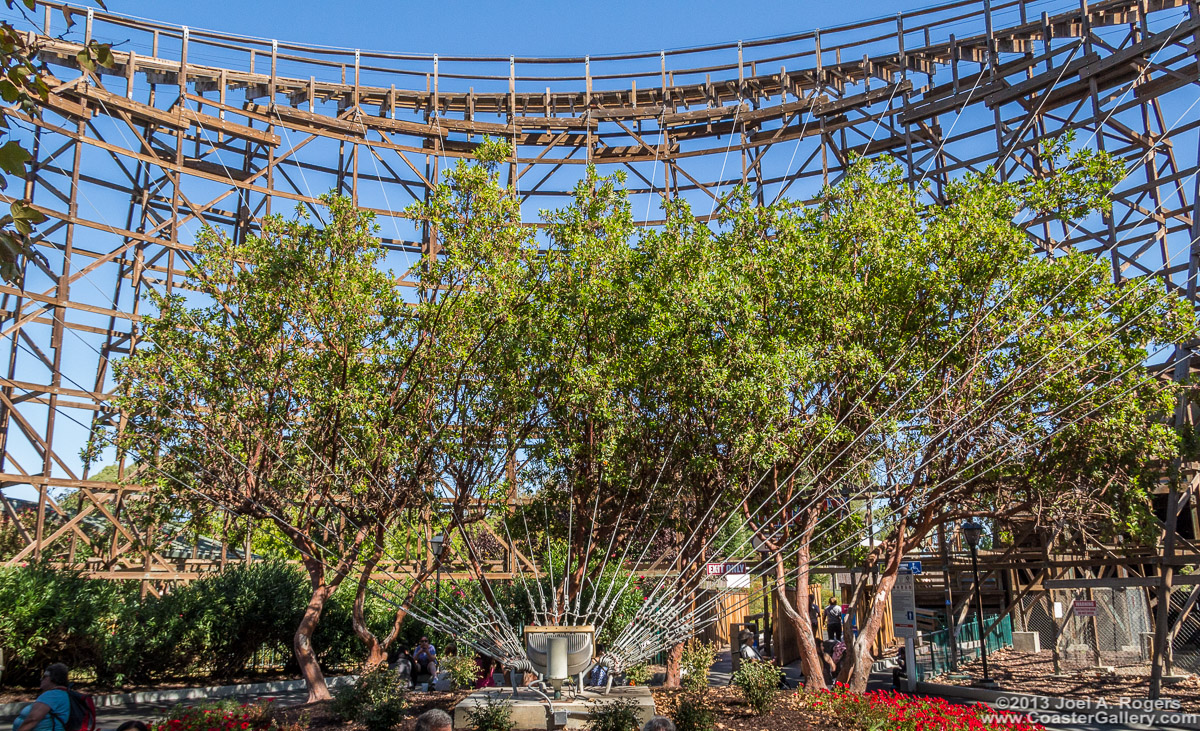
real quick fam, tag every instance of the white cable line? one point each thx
(899, 399)
(725, 158)
(1045, 97)
(307, 446)
(1045, 437)
(1162, 298)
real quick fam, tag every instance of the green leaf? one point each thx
(103, 54)
(11, 250)
(84, 57)
(22, 211)
(13, 158)
(8, 91)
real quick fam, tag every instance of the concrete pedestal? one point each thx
(529, 709)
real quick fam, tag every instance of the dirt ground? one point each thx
(1034, 673)
(791, 712)
(319, 716)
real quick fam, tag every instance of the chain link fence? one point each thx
(1089, 628)
(1185, 646)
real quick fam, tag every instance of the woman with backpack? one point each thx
(52, 709)
(58, 708)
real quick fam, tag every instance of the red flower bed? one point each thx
(898, 712)
(226, 716)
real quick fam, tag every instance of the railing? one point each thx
(935, 654)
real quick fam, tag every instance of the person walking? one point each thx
(833, 619)
(52, 709)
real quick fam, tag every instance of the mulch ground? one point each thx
(791, 712)
(319, 716)
(1032, 673)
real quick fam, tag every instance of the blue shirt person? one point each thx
(52, 708)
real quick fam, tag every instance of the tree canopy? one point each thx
(606, 396)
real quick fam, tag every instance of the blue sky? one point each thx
(454, 27)
(527, 27)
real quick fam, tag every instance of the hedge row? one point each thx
(210, 628)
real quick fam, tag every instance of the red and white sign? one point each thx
(1085, 608)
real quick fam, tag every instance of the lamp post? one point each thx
(972, 532)
(764, 554)
(436, 544)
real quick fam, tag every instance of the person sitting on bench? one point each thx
(425, 658)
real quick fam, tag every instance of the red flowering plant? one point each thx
(225, 716)
(878, 710)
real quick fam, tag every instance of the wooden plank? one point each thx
(858, 100)
(1111, 583)
(559, 123)
(180, 118)
(706, 114)
(993, 97)
(56, 390)
(1144, 48)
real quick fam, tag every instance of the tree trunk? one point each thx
(860, 671)
(376, 654)
(797, 617)
(302, 644)
(674, 656)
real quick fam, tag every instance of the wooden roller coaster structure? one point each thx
(193, 127)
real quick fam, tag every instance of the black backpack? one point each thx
(82, 716)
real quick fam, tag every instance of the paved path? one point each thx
(110, 718)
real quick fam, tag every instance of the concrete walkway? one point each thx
(109, 717)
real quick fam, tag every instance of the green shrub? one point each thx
(638, 674)
(695, 712)
(246, 608)
(378, 700)
(613, 715)
(758, 682)
(494, 714)
(211, 627)
(51, 615)
(697, 659)
(219, 623)
(462, 670)
(334, 640)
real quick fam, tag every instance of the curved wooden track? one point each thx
(195, 127)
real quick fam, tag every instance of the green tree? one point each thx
(293, 397)
(953, 369)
